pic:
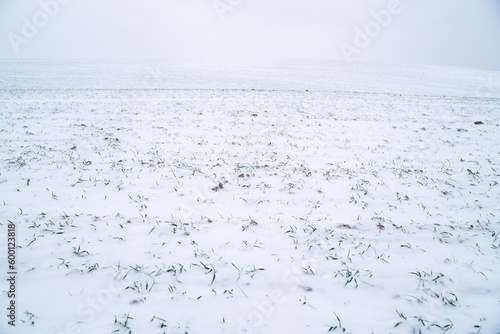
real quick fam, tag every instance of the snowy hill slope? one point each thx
(163, 198)
(269, 75)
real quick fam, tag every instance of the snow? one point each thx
(357, 198)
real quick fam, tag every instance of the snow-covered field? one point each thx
(268, 198)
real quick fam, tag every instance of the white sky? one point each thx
(445, 32)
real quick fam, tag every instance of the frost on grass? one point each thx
(252, 211)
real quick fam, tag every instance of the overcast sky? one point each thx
(446, 32)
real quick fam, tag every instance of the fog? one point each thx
(446, 32)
